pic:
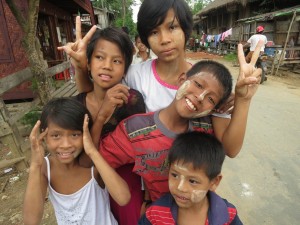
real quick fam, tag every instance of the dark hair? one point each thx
(116, 36)
(202, 150)
(67, 113)
(219, 71)
(136, 37)
(152, 13)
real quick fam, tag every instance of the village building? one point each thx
(226, 23)
(55, 27)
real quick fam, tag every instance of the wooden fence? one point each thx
(9, 134)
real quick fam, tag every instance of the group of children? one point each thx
(180, 172)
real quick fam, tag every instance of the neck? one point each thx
(143, 55)
(94, 101)
(172, 120)
(196, 214)
(170, 72)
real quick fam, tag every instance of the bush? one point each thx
(31, 117)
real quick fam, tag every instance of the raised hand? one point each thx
(37, 148)
(249, 77)
(114, 97)
(77, 50)
(88, 143)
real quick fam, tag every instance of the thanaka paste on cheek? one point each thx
(182, 89)
(198, 195)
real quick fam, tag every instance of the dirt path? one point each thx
(262, 182)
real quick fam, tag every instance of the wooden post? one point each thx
(286, 41)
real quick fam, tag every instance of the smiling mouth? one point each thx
(190, 104)
(65, 154)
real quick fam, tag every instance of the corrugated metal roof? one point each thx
(219, 3)
(271, 15)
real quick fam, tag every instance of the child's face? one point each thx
(107, 64)
(141, 47)
(65, 145)
(198, 95)
(167, 40)
(187, 185)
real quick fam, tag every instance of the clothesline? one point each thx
(215, 38)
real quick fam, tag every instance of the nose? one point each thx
(65, 142)
(182, 184)
(165, 37)
(107, 64)
(202, 95)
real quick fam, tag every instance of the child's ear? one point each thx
(182, 78)
(215, 182)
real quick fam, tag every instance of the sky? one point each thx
(135, 10)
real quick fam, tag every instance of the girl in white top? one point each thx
(79, 195)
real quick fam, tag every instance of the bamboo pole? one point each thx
(286, 41)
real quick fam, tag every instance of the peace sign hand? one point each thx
(37, 148)
(249, 77)
(77, 50)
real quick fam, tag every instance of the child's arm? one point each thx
(232, 132)
(114, 97)
(116, 186)
(33, 206)
(77, 53)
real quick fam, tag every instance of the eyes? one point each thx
(117, 61)
(57, 136)
(190, 180)
(170, 28)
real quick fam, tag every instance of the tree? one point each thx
(197, 5)
(122, 10)
(32, 46)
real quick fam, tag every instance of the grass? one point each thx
(231, 57)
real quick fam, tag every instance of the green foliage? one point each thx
(230, 57)
(31, 117)
(197, 5)
(116, 7)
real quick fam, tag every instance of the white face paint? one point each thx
(181, 167)
(182, 89)
(198, 195)
(181, 182)
(202, 95)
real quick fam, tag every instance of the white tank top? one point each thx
(89, 205)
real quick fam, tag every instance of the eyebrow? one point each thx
(114, 56)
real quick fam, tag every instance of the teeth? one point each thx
(183, 198)
(65, 154)
(190, 104)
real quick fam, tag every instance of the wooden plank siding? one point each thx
(9, 133)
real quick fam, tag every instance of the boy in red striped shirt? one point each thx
(195, 160)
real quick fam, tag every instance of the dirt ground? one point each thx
(13, 183)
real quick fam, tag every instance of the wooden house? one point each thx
(243, 16)
(104, 17)
(55, 27)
